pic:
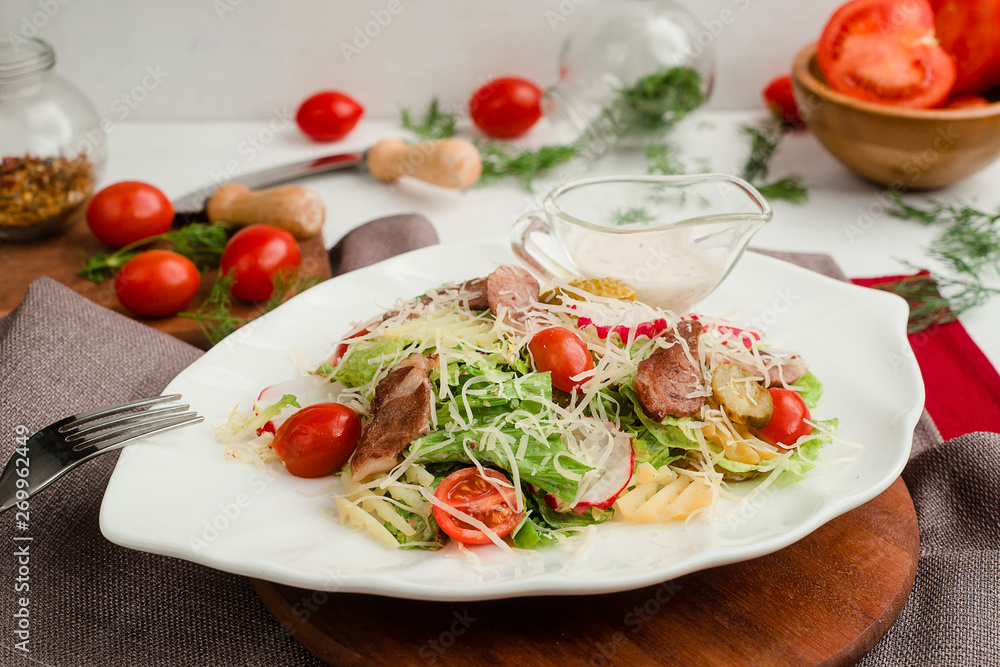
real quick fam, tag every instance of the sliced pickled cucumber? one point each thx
(744, 399)
(609, 288)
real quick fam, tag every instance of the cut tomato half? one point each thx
(468, 492)
(884, 51)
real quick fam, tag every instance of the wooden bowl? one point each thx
(901, 148)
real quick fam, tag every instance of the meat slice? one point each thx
(784, 367)
(664, 380)
(475, 290)
(514, 289)
(401, 412)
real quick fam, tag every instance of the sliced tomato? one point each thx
(969, 30)
(966, 102)
(884, 51)
(467, 491)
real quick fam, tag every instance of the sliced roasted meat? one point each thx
(664, 381)
(780, 368)
(401, 412)
(474, 294)
(514, 290)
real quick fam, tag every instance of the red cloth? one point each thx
(963, 388)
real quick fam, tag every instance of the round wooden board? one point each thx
(827, 599)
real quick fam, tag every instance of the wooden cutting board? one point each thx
(825, 600)
(62, 256)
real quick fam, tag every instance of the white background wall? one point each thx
(242, 59)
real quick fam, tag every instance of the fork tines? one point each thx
(123, 424)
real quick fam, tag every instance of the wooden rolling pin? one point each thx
(448, 163)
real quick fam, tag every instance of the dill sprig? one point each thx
(201, 243)
(214, 315)
(663, 158)
(435, 124)
(764, 143)
(969, 248)
(657, 101)
(632, 214)
(501, 161)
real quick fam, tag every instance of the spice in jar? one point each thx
(36, 192)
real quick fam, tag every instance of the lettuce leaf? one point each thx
(364, 357)
(811, 388)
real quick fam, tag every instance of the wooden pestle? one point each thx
(294, 208)
(448, 163)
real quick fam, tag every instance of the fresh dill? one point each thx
(436, 124)
(764, 143)
(632, 214)
(663, 158)
(214, 315)
(968, 247)
(656, 101)
(500, 161)
(201, 243)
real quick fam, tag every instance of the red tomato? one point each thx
(127, 212)
(328, 116)
(157, 283)
(254, 256)
(884, 52)
(965, 102)
(506, 108)
(779, 97)
(467, 491)
(788, 422)
(969, 30)
(563, 354)
(341, 349)
(318, 439)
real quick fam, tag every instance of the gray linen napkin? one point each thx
(94, 603)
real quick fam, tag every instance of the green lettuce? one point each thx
(365, 357)
(811, 389)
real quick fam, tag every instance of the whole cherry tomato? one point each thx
(884, 52)
(127, 212)
(789, 422)
(563, 354)
(318, 439)
(328, 116)
(157, 283)
(254, 256)
(780, 99)
(467, 491)
(506, 108)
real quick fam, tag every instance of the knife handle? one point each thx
(448, 163)
(294, 208)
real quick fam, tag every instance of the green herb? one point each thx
(663, 158)
(214, 315)
(969, 248)
(632, 214)
(435, 125)
(764, 143)
(201, 243)
(657, 101)
(500, 161)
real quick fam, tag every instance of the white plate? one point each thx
(178, 494)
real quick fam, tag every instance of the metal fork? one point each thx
(59, 447)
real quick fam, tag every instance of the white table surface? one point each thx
(844, 216)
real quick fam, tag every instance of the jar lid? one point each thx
(22, 58)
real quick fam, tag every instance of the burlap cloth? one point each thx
(94, 603)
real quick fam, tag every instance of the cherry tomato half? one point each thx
(506, 108)
(563, 354)
(254, 256)
(884, 52)
(789, 421)
(467, 491)
(969, 30)
(157, 283)
(127, 212)
(318, 439)
(328, 116)
(781, 101)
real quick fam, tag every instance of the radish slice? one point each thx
(307, 390)
(618, 468)
(749, 337)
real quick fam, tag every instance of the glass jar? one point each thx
(629, 70)
(50, 143)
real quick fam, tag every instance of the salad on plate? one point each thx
(486, 412)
